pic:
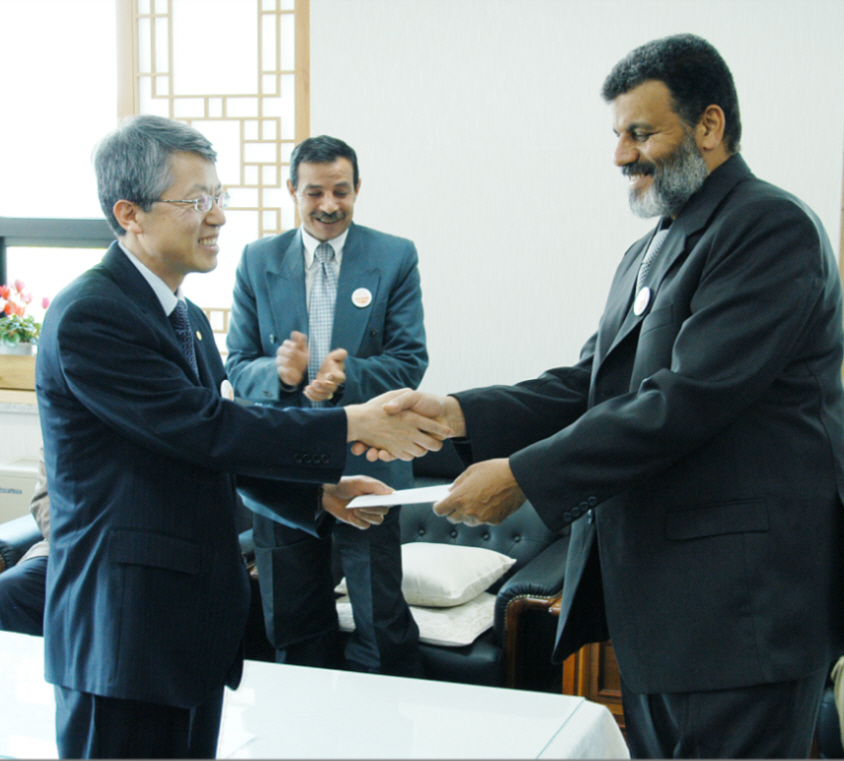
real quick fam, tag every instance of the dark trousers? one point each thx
(297, 591)
(22, 595)
(93, 726)
(763, 721)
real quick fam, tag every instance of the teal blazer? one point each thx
(385, 338)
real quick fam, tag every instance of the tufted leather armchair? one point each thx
(517, 651)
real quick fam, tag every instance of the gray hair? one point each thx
(133, 162)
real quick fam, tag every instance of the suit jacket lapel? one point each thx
(672, 247)
(693, 218)
(286, 287)
(136, 288)
(618, 308)
(203, 343)
(357, 271)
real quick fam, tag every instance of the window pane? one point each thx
(45, 271)
(59, 64)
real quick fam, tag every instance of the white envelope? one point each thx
(402, 497)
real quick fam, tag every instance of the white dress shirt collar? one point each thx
(309, 243)
(167, 298)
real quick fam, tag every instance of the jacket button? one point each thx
(454, 535)
(297, 458)
(325, 459)
(593, 501)
(567, 517)
(576, 512)
(421, 532)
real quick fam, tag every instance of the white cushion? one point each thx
(444, 575)
(450, 627)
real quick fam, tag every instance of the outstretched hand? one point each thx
(486, 492)
(335, 498)
(402, 435)
(444, 410)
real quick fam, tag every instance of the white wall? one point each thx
(482, 137)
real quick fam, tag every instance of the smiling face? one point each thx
(173, 239)
(657, 151)
(326, 196)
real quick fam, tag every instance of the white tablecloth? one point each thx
(295, 712)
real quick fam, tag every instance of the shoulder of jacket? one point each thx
(273, 243)
(385, 239)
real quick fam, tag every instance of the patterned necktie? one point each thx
(321, 312)
(181, 324)
(650, 256)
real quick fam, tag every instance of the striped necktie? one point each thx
(181, 324)
(321, 311)
(650, 257)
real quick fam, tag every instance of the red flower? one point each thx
(4, 291)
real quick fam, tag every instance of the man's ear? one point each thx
(710, 128)
(292, 191)
(126, 214)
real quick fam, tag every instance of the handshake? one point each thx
(403, 424)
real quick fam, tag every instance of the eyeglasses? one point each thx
(204, 203)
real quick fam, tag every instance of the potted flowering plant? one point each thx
(18, 331)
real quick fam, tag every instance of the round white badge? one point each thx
(362, 298)
(641, 302)
(227, 390)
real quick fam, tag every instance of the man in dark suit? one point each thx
(697, 448)
(147, 594)
(375, 342)
(22, 585)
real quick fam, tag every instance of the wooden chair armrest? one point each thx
(515, 609)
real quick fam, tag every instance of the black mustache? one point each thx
(638, 167)
(329, 219)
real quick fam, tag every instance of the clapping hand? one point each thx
(291, 359)
(331, 375)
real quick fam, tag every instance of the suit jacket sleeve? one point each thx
(763, 300)
(252, 372)
(403, 358)
(128, 372)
